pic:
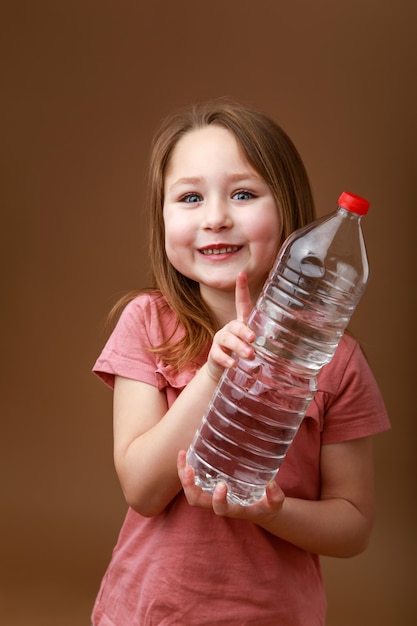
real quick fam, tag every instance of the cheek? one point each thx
(177, 238)
(266, 233)
(266, 241)
(175, 232)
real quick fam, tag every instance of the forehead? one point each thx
(207, 145)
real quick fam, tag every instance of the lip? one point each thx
(219, 250)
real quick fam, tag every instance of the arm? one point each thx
(148, 434)
(339, 524)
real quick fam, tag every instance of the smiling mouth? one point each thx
(220, 250)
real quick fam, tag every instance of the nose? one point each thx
(217, 215)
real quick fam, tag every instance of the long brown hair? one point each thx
(271, 153)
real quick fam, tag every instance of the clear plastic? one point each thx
(300, 316)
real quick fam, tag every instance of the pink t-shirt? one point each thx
(188, 567)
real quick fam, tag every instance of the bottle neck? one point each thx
(347, 214)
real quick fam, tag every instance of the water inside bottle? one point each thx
(248, 428)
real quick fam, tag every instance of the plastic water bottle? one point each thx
(299, 318)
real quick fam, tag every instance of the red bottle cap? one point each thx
(353, 203)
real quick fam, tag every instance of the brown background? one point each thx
(84, 85)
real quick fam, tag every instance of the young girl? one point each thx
(227, 186)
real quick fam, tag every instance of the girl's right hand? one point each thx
(235, 337)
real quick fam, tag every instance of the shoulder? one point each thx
(348, 357)
(146, 303)
(348, 346)
(348, 397)
(146, 322)
(149, 312)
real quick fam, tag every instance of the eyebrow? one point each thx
(235, 178)
(192, 180)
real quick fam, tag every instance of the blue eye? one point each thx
(191, 198)
(242, 195)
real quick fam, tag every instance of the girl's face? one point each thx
(220, 216)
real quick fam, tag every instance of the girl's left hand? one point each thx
(268, 506)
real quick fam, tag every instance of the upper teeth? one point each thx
(220, 250)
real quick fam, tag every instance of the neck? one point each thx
(222, 303)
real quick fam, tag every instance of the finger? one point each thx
(243, 301)
(185, 472)
(274, 495)
(235, 341)
(219, 500)
(194, 495)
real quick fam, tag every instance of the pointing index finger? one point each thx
(243, 301)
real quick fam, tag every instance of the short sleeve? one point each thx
(145, 323)
(348, 397)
